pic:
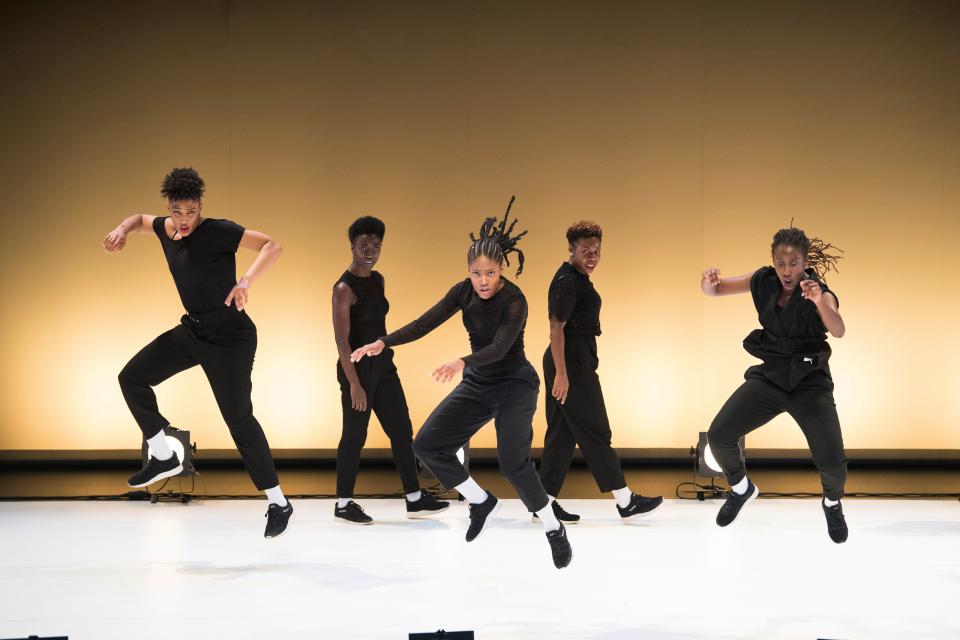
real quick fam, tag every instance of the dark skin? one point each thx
(790, 264)
(584, 257)
(366, 252)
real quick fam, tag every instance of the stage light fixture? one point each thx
(443, 635)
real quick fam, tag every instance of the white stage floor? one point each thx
(112, 570)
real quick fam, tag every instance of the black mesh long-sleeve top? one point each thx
(495, 326)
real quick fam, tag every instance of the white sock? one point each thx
(741, 487)
(547, 517)
(830, 503)
(413, 497)
(159, 447)
(622, 496)
(342, 502)
(275, 496)
(473, 492)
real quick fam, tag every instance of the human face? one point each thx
(366, 250)
(585, 254)
(185, 215)
(790, 264)
(485, 277)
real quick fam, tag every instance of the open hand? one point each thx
(811, 291)
(358, 398)
(372, 349)
(561, 387)
(238, 294)
(445, 372)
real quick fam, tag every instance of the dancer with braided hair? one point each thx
(576, 414)
(796, 310)
(498, 384)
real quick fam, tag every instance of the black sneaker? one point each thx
(560, 547)
(638, 506)
(561, 514)
(352, 513)
(836, 523)
(481, 514)
(156, 470)
(426, 506)
(277, 519)
(734, 502)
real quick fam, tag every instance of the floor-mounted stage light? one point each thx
(705, 466)
(179, 441)
(443, 635)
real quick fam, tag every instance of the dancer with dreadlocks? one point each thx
(498, 383)
(215, 333)
(360, 315)
(796, 310)
(576, 414)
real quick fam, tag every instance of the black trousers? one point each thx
(581, 421)
(758, 401)
(378, 377)
(510, 400)
(223, 343)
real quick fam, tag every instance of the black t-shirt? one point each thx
(793, 340)
(572, 299)
(368, 317)
(495, 326)
(203, 264)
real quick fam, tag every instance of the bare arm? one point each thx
(268, 250)
(137, 223)
(342, 299)
(561, 383)
(713, 285)
(827, 307)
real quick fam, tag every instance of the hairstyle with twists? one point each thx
(814, 249)
(367, 225)
(496, 242)
(584, 229)
(182, 184)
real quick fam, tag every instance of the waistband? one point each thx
(217, 316)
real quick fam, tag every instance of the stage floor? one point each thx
(122, 570)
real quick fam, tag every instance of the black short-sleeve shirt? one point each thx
(573, 300)
(204, 263)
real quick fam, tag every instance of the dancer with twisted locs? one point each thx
(360, 316)
(796, 309)
(215, 333)
(498, 384)
(576, 413)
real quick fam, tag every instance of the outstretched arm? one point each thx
(137, 223)
(268, 250)
(713, 285)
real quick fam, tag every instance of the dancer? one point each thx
(359, 316)
(576, 414)
(498, 383)
(215, 333)
(796, 310)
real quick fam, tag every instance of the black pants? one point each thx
(581, 421)
(223, 343)
(378, 377)
(509, 400)
(758, 401)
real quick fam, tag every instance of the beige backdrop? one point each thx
(690, 130)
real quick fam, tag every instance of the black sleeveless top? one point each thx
(793, 341)
(368, 317)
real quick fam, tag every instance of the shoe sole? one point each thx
(166, 474)
(416, 515)
(345, 521)
(640, 515)
(490, 517)
(289, 520)
(564, 522)
(753, 496)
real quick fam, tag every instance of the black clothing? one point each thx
(510, 402)
(368, 316)
(223, 343)
(793, 378)
(793, 340)
(203, 264)
(498, 383)
(583, 419)
(379, 379)
(495, 326)
(572, 299)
